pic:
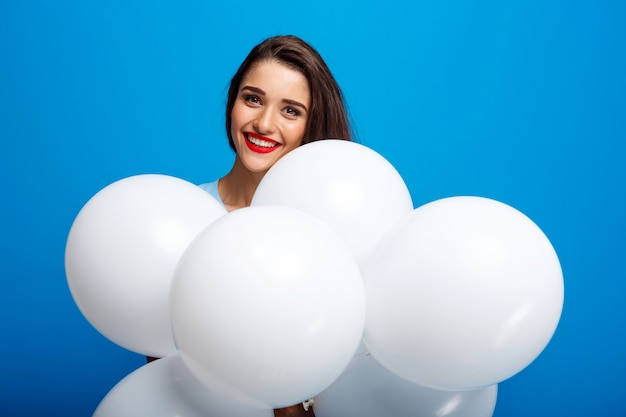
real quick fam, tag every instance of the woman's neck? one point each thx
(237, 188)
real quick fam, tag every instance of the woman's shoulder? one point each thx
(211, 188)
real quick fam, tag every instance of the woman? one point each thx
(282, 96)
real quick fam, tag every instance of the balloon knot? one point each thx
(308, 403)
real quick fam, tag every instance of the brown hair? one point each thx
(327, 116)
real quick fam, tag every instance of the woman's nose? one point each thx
(264, 123)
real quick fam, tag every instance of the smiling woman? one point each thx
(269, 116)
(282, 96)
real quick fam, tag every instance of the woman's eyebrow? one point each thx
(255, 90)
(295, 103)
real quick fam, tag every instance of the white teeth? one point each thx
(260, 142)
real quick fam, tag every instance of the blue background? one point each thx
(520, 101)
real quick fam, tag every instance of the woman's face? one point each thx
(269, 115)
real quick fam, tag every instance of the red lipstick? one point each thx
(261, 144)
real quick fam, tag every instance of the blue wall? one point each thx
(520, 101)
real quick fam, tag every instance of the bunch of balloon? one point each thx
(330, 285)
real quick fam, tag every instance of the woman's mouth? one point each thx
(260, 144)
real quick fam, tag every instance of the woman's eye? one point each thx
(292, 112)
(252, 99)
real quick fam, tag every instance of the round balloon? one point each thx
(268, 306)
(462, 294)
(166, 388)
(367, 389)
(121, 253)
(350, 187)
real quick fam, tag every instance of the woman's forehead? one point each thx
(273, 76)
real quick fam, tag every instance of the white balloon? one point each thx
(350, 187)
(268, 306)
(166, 388)
(121, 253)
(462, 294)
(367, 389)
